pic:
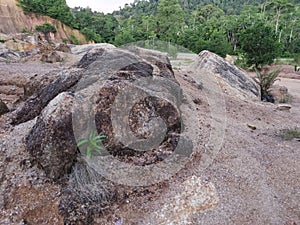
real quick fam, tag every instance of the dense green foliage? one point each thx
(260, 44)
(220, 26)
(170, 20)
(57, 9)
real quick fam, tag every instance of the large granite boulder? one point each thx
(116, 93)
(132, 101)
(235, 79)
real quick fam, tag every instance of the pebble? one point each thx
(283, 107)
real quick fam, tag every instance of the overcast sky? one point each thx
(106, 6)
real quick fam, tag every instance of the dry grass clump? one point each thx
(87, 194)
(290, 133)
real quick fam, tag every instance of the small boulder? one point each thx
(63, 48)
(51, 142)
(231, 58)
(51, 57)
(252, 127)
(280, 94)
(235, 78)
(283, 107)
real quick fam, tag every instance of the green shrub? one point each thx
(74, 40)
(65, 40)
(92, 144)
(266, 80)
(24, 30)
(46, 29)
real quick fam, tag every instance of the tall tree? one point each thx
(259, 44)
(170, 20)
(280, 6)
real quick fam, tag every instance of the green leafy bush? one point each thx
(260, 45)
(57, 9)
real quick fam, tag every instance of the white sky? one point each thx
(106, 6)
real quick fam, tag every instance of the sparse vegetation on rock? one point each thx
(92, 144)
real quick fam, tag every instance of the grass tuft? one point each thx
(290, 134)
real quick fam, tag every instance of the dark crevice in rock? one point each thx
(35, 104)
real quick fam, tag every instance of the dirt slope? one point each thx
(13, 20)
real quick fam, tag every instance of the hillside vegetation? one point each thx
(215, 25)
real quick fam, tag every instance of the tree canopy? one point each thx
(216, 25)
(260, 44)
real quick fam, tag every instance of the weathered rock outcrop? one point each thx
(7, 55)
(13, 20)
(63, 48)
(81, 50)
(19, 45)
(36, 103)
(237, 80)
(103, 96)
(51, 143)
